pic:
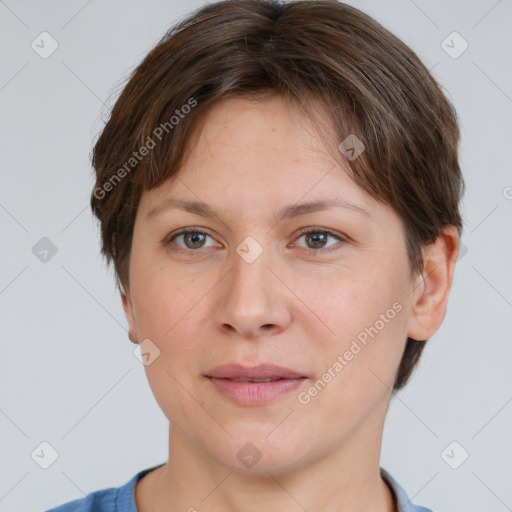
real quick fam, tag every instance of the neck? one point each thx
(346, 479)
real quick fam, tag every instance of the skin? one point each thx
(207, 306)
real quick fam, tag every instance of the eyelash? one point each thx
(304, 231)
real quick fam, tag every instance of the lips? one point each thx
(261, 373)
(255, 386)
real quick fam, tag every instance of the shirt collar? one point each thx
(125, 499)
(403, 501)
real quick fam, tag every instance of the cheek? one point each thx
(358, 369)
(172, 312)
(369, 321)
(162, 298)
(169, 314)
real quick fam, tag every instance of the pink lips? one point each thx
(225, 380)
(263, 371)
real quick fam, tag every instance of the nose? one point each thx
(252, 300)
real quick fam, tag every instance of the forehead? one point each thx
(256, 160)
(274, 124)
(265, 147)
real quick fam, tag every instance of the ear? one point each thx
(432, 288)
(128, 311)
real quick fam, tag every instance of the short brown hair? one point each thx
(368, 82)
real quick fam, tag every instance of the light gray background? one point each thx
(68, 373)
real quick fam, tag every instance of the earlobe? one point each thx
(128, 311)
(433, 287)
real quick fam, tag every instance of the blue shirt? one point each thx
(122, 499)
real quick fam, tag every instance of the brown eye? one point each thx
(192, 239)
(195, 239)
(316, 240)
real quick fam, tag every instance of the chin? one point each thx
(260, 454)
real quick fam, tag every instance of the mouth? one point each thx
(239, 379)
(261, 373)
(252, 386)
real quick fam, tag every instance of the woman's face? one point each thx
(250, 288)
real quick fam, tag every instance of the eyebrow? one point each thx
(290, 211)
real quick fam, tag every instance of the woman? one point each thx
(278, 189)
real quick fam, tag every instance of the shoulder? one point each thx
(403, 501)
(112, 499)
(98, 501)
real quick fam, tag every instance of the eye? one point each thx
(192, 237)
(318, 237)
